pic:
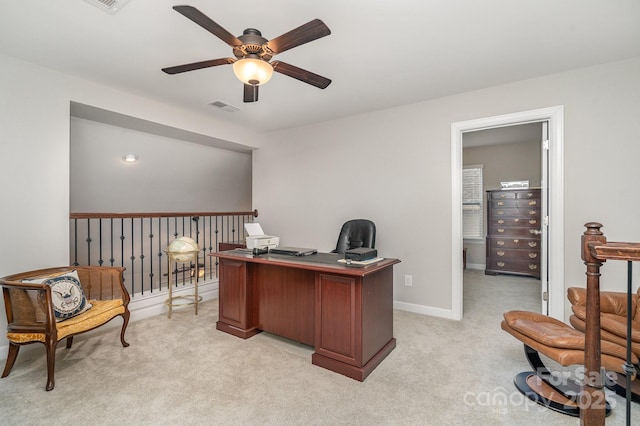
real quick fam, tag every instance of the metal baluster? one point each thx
(151, 251)
(133, 258)
(75, 242)
(141, 255)
(629, 368)
(111, 259)
(100, 260)
(88, 240)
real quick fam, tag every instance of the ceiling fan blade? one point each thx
(303, 34)
(205, 22)
(300, 74)
(198, 65)
(250, 93)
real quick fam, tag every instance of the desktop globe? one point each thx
(183, 249)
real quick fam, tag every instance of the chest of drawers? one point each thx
(513, 232)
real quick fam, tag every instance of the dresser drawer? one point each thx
(531, 222)
(494, 243)
(514, 266)
(511, 195)
(519, 202)
(514, 254)
(517, 212)
(512, 231)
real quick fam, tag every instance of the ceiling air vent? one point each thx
(224, 106)
(111, 6)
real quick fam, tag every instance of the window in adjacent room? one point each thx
(472, 199)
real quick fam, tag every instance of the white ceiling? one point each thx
(381, 53)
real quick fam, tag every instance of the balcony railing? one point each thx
(138, 242)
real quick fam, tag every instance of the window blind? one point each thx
(472, 202)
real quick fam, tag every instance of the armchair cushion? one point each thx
(102, 312)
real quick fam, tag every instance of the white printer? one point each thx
(257, 239)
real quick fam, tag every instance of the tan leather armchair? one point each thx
(613, 315)
(613, 326)
(32, 305)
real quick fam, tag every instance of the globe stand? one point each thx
(192, 299)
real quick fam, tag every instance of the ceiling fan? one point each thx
(253, 53)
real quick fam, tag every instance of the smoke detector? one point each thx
(111, 6)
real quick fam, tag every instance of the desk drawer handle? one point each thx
(500, 229)
(500, 253)
(532, 221)
(533, 244)
(500, 242)
(533, 255)
(500, 264)
(533, 266)
(501, 203)
(500, 212)
(532, 212)
(500, 221)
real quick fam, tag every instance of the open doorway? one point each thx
(503, 259)
(554, 212)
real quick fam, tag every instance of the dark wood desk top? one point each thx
(322, 262)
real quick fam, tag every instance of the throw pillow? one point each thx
(66, 293)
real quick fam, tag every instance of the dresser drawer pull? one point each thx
(530, 195)
(500, 221)
(533, 244)
(533, 255)
(502, 195)
(500, 212)
(500, 253)
(516, 220)
(516, 241)
(501, 203)
(532, 221)
(535, 231)
(533, 266)
(500, 229)
(500, 242)
(532, 212)
(501, 264)
(533, 202)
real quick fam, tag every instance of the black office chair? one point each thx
(356, 233)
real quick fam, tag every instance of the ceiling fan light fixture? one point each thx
(253, 71)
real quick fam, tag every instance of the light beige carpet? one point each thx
(183, 371)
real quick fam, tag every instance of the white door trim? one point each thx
(555, 117)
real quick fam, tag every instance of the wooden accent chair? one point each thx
(32, 315)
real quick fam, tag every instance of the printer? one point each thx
(257, 238)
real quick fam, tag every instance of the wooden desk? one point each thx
(344, 312)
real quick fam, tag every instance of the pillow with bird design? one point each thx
(66, 293)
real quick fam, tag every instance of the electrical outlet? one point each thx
(408, 280)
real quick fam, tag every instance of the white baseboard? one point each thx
(148, 305)
(424, 310)
(477, 266)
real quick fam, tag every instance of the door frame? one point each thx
(555, 269)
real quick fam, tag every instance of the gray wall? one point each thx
(171, 175)
(394, 166)
(503, 162)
